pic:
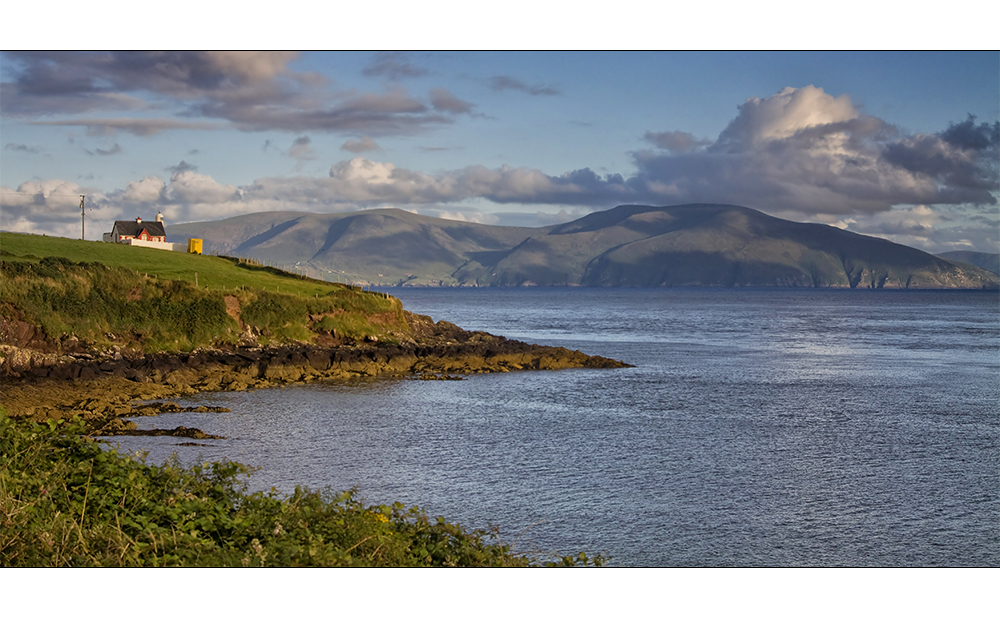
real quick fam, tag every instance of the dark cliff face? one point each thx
(631, 245)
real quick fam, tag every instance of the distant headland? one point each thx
(629, 246)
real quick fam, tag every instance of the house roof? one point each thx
(132, 228)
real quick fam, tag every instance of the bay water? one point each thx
(757, 428)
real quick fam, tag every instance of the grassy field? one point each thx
(106, 294)
(211, 272)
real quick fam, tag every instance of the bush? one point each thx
(65, 501)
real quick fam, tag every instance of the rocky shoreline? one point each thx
(102, 387)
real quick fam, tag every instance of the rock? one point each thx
(437, 351)
(318, 359)
(116, 427)
(18, 360)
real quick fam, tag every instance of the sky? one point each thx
(904, 146)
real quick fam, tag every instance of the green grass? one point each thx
(106, 294)
(211, 272)
(65, 501)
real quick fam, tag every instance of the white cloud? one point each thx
(783, 115)
(195, 188)
(806, 152)
(149, 189)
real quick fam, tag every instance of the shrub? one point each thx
(65, 501)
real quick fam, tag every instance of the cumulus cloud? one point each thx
(783, 115)
(148, 190)
(194, 188)
(251, 91)
(805, 152)
(500, 83)
(364, 182)
(392, 65)
(962, 160)
(52, 207)
(365, 144)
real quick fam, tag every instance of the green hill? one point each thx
(631, 245)
(56, 291)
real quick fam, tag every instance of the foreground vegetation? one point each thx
(164, 301)
(65, 501)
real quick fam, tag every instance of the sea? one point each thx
(785, 427)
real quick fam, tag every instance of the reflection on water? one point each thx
(758, 428)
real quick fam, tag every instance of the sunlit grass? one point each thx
(163, 300)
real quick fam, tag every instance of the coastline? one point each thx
(104, 386)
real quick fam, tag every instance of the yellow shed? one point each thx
(194, 245)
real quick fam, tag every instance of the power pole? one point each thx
(83, 225)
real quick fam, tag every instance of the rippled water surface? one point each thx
(758, 428)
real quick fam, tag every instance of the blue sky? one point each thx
(878, 143)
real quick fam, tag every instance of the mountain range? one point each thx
(630, 245)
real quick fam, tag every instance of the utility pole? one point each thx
(83, 225)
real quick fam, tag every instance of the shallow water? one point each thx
(784, 427)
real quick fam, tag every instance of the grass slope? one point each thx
(157, 300)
